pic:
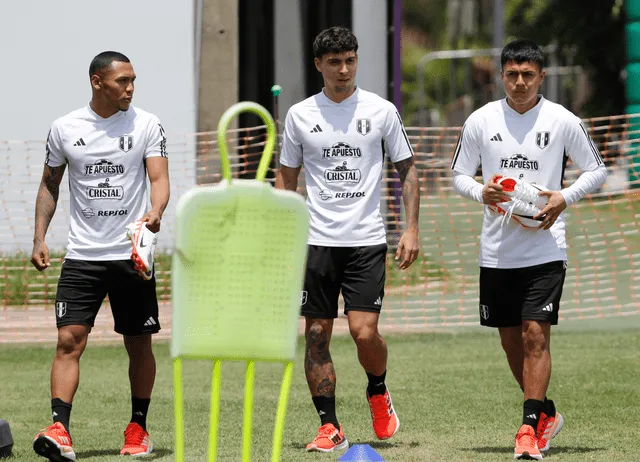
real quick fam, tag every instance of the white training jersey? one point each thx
(107, 176)
(342, 148)
(533, 146)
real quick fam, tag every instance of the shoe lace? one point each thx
(325, 431)
(133, 436)
(379, 406)
(521, 197)
(545, 426)
(527, 439)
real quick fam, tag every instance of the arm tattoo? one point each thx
(318, 365)
(47, 199)
(410, 190)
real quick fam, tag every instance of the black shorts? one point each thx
(359, 272)
(83, 286)
(509, 296)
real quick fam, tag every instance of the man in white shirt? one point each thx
(522, 270)
(340, 136)
(110, 148)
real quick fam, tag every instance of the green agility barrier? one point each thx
(237, 274)
(633, 86)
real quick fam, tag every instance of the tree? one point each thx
(595, 27)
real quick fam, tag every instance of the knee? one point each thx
(138, 346)
(534, 342)
(365, 336)
(71, 342)
(318, 336)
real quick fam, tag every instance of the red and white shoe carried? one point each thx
(329, 439)
(136, 441)
(143, 246)
(54, 443)
(383, 416)
(525, 202)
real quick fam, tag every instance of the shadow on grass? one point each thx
(572, 450)
(161, 452)
(551, 451)
(373, 444)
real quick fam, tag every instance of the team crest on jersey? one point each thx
(363, 126)
(126, 143)
(542, 139)
(518, 161)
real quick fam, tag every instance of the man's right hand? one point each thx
(40, 256)
(492, 192)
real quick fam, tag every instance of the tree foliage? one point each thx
(594, 28)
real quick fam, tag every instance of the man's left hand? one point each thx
(552, 210)
(408, 248)
(152, 219)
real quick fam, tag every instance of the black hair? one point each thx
(334, 40)
(522, 51)
(104, 60)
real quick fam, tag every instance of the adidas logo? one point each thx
(532, 416)
(496, 137)
(64, 440)
(378, 302)
(548, 308)
(150, 322)
(321, 412)
(80, 142)
(316, 129)
(55, 414)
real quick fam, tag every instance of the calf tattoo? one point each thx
(318, 365)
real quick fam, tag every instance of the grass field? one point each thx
(453, 392)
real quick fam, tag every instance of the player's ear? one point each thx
(96, 82)
(316, 61)
(543, 73)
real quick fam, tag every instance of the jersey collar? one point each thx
(99, 117)
(349, 100)
(509, 110)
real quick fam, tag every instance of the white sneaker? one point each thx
(143, 246)
(525, 202)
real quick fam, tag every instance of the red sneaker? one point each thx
(383, 415)
(527, 444)
(329, 439)
(136, 441)
(548, 427)
(54, 443)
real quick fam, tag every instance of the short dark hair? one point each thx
(104, 60)
(334, 40)
(522, 51)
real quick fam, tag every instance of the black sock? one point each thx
(139, 409)
(326, 407)
(531, 412)
(549, 407)
(61, 412)
(376, 384)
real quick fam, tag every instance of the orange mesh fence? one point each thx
(440, 289)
